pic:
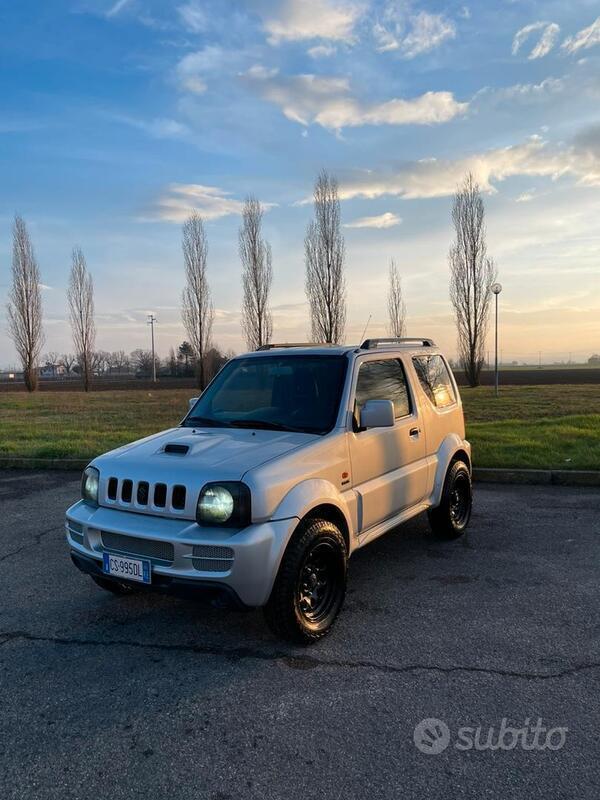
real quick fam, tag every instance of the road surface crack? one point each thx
(37, 538)
(297, 661)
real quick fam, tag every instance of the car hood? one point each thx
(191, 457)
(225, 450)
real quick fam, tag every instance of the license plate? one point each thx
(131, 569)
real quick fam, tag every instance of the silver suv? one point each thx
(292, 458)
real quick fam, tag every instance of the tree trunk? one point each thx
(30, 377)
(200, 374)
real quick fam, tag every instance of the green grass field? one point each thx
(546, 427)
(527, 426)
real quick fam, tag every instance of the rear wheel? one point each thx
(310, 586)
(450, 519)
(114, 587)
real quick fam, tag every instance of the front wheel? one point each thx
(310, 586)
(450, 519)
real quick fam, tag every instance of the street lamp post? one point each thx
(151, 321)
(496, 289)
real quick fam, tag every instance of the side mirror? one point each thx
(192, 402)
(377, 414)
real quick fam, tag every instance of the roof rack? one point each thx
(372, 344)
(293, 344)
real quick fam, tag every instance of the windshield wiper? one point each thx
(204, 422)
(263, 424)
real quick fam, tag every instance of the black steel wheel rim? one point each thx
(460, 501)
(319, 582)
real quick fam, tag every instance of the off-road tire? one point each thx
(449, 520)
(313, 566)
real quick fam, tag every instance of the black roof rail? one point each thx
(294, 344)
(371, 344)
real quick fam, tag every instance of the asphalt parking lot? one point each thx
(159, 697)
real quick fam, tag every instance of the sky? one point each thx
(120, 117)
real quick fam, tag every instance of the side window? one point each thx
(383, 380)
(435, 379)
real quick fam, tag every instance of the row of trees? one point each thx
(180, 362)
(472, 273)
(25, 308)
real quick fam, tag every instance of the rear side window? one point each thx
(435, 379)
(383, 380)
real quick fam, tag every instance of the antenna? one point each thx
(362, 338)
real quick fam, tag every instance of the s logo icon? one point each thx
(431, 736)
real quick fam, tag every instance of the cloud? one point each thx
(439, 178)
(298, 20)
(421, 33)
(526, 197)
(546, 42)
(387, 220)
(327, 101)
(159, 128)
(193, 17)
(526, 93)
(117, 8)
(384, 38)
(183, 199)
(588, 37)
(428, 32)
(322, 51)
(194, 67)
(162, 128)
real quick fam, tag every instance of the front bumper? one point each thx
(173, 545)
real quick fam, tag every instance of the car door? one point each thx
(389, 465)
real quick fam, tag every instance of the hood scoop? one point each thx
(174, 449)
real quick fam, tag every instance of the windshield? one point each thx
(290, 393)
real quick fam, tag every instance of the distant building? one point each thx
(52, 371)
(10, 376)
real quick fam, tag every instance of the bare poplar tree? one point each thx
(324, 257)
(472, 273)
(396, 306)
(81, 306)
(257, 275)
(197, 308)
(25, 304)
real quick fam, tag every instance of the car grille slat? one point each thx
(178, 499)
(140, 548)
(143, 495)
(126, 491)
(143, 490)
(160, 495)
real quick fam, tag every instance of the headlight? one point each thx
(89, 485)
(226, 504)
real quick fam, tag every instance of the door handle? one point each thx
(414, 432)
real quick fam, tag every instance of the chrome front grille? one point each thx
(212, 558)
(140, 548)
(144, 496)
